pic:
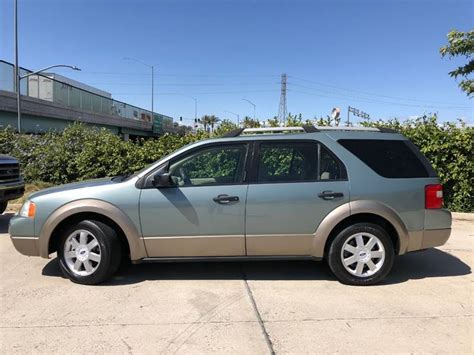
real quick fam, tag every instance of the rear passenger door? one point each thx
(294, 184)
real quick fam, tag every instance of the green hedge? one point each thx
(80, 153)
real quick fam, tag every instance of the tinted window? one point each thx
(329, 167)
(211, 166)
(388, 158)
(290, 162)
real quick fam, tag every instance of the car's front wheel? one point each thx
(361, 254)
(89, 252)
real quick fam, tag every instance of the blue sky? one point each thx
(379, 56)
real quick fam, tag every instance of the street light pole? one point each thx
(254, 107)
(18, 76)
(18, 97)
(152, 81)
(236, 115)
(17, 69)
(152, 91)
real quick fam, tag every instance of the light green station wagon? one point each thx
(355, 197)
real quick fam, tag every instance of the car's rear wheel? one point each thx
(90, 252)
(361, 254)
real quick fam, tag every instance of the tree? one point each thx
(209, 121)
(250, 123)
(461, 44)
(225, 126)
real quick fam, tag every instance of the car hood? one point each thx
(74, 186)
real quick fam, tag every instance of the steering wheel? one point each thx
(186, 179)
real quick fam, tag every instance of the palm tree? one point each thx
(209, 121)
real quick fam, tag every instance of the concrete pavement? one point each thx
(425, 305)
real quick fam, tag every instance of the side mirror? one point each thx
(162, 180)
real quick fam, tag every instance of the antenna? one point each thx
(282, 111)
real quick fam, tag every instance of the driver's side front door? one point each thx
(203, 212)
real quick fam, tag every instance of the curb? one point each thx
(461, 216)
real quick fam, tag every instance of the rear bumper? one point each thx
(435, 237)
(26, 245)
(428, 238)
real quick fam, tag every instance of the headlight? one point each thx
(28, 209)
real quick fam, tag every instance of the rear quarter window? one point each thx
(390, 158)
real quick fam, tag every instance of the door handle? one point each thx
(225, 199)
(329, 195)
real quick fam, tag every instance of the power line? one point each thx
(195, 93)
(368, 100)
(185, 75)
(370, 93)
(185, 84)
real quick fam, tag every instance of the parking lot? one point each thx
(425, 305)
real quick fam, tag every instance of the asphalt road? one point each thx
(425, 305)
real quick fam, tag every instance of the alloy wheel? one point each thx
(362, 254)
(82, 252)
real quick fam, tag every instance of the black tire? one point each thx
(336, 255)
(110, 251)
(3, 206)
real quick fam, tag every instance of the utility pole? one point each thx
(282, 111)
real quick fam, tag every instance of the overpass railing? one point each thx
(47, 88)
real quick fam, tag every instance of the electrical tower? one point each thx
(282, 111)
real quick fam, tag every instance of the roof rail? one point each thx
(240, 131)
(303, 129)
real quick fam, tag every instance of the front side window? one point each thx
(296, 162)
(217, 165)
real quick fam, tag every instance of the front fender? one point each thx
(135, 242)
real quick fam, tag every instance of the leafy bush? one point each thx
(81, 152)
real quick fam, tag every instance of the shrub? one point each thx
(81, 152)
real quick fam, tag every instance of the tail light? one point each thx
(433, 196)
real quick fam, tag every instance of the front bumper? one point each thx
(21, 230)
(11, 191)
(26, 245)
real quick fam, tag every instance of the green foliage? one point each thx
(461, 44)
(225, 126)
(250, 123)
(80, 152)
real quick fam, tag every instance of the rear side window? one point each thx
(296, 162)
(390, 158)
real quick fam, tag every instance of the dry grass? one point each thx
(14, 205)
